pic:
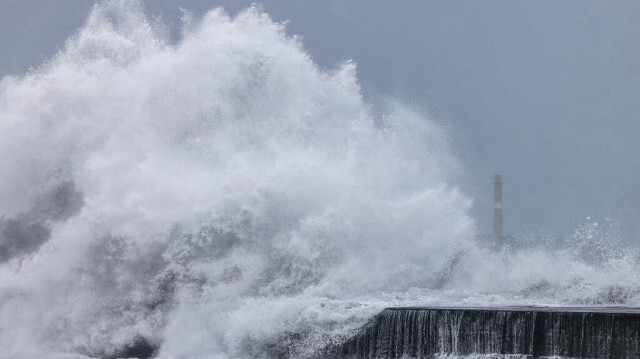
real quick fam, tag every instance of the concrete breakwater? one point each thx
(601, 333)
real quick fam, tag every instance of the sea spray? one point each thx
(227, 189)
(223, 197)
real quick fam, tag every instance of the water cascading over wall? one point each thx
(537, 332)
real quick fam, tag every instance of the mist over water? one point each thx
(223, 197)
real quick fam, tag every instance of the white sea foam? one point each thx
(236, 201)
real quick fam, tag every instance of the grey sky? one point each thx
(547, 93)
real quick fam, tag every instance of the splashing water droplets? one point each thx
(223, 197)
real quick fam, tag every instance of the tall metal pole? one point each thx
(497, 206)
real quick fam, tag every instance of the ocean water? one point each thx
(221, 196)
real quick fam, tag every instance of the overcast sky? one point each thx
(546, 93)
